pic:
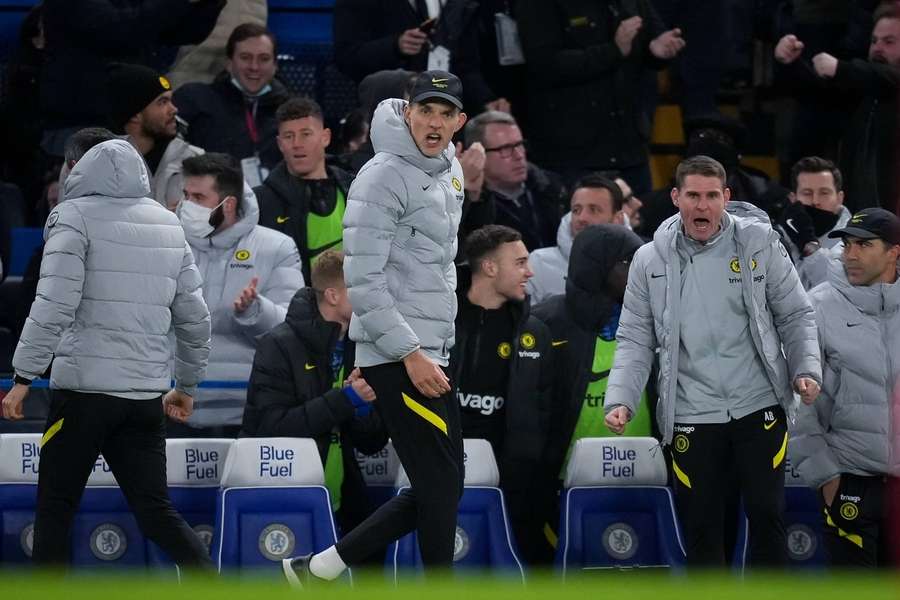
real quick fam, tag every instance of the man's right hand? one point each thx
(427, 376)
(788, 49)
(830, 489)
(178, 405)
(617, 419)
(359, 385)
(411, 41)
(626, 32)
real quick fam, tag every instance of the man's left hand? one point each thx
(825, 65)
(807, 388)
(667, 45)
(248, 296)
(12, 402)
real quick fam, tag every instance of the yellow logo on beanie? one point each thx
(165, 83)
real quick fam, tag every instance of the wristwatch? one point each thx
(810, 247)
(21, 380)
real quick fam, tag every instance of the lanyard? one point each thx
(250, 117)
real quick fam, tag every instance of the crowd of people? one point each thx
(434, 277)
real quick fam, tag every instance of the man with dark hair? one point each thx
(716, 295)
(816, 209)
(842, 445)
(303, 384)
(235, 114)
(250, 273)
(502, 371)
(400, 232)
(116, 279)
(868, 89)
(303, 196)
(142, 107)
(515, 193)
(595, 200)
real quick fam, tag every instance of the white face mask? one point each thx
(195, 218)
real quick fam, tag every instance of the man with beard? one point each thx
(816, 209)
(869, 89)
(142, 108)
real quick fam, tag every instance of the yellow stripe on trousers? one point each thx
(425, 413)
(851, 537)
(51, 431)
(779, 457)
(681, 475)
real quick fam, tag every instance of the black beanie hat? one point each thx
(131, 89)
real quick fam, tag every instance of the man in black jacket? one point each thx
(501, 365)
(235, 114)
(302, 196)
(586, 60)
(303, 385)
(583, 323)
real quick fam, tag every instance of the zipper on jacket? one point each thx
(413, 233)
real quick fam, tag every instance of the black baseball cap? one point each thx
(870, 224)
(437, 84)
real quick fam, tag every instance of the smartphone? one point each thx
(427, 25)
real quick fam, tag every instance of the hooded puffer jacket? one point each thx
(549, 265)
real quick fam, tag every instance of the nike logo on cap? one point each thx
(433, 80)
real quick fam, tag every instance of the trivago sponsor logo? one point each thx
(276, 462)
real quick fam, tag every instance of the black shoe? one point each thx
(296, 570)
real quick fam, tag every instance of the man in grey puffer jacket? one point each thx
(400, 229)
(716, 294)
(116, 275)
(841, 446)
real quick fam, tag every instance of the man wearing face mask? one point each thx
(250, 273)
(816, 209)
(235, 114)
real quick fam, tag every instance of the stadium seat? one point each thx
(484, 540)
(272, 504)
(194, 471)
(19, 455)
(802, 522)
(379, 471)
(616, 511)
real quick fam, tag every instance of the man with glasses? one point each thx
(516, 193)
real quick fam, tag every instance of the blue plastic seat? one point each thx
(802, 522)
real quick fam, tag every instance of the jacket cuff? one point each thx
(190, 390)
(360, 406)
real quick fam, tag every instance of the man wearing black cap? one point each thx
(142, 108)
(841, 446)
(400, 228)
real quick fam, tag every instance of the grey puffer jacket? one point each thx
(550, 265)
(848, 428)
(781, 318)
(116, 274)
(400, 227)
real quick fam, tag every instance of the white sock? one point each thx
(327, 564)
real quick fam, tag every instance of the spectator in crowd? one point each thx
(869, 89)
(235, 114)
(841, 446)
(816, 209)
(400, 239)
(117, 276)
(374, 88)
(303, 384)
(630, 215)
(250, 273)
(142, 108)
(515, 192)
(595, 200)
(84, 36)
(353, 132)
(200, 63)
(502, 370)
(302, 196)
(585, 62)
(717, 296)
(583, 323)
(415, 35)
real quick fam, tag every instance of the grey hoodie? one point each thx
(116, 275)
(848, 428)
(403, 213)
(781, 320)
(550, 265)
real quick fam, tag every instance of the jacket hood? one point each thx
(229, 237)
(390, 134)
(564, 237)
(870, 299)
(113, 169)
(752, 226)
(595, 252)
(304, 318)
